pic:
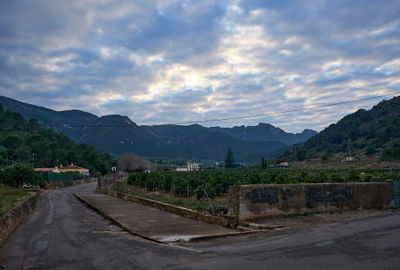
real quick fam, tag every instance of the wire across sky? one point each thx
(249, 115)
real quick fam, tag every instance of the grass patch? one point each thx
(11, 196)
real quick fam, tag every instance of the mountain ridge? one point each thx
(118, 134)
(262, 131)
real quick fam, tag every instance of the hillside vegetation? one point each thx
(25, 141)
(365, 133)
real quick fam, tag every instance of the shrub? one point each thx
(19, 173)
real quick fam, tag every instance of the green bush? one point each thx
(20, 173)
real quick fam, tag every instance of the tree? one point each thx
(263, 163)
(134, 163)
(19, 173)
(229, 161)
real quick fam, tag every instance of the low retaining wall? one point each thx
(10, 221)
(249, 202)
(181, 211)
(67, 183)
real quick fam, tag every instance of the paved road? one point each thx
(65, 234)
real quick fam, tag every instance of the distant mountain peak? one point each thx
(265, 132)
(117, 119)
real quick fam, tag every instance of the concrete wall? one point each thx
(10, 221)
(67, 183)
(248, 202)
(182, 211)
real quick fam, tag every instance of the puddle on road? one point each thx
(174, 238)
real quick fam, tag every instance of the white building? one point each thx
(190, 167)
(193, 166)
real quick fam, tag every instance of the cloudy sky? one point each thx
(179, 61)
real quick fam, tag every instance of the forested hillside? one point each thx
(26, 141)
(363, 133)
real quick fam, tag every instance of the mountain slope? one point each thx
(203, 143)
(113, 133)
(118, 134)
(26, 141)
(364, 133)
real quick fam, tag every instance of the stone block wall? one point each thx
(10, 221)
(249, 202)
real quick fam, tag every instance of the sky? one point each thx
(167, 62)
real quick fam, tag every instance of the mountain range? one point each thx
(118, 134)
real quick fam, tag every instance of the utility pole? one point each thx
(33, 160)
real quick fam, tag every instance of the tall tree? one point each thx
(229, 161)
(263, 163)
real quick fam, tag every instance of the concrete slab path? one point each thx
(151, 223)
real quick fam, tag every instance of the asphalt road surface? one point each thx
(65, 234)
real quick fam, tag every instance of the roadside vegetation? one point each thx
(17, 181)
(10, 196)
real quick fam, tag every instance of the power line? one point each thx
(242, 116)
(287, 111)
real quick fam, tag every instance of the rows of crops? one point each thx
(217, 181)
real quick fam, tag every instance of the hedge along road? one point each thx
(65, 234)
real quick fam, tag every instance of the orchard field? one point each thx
(217, 182)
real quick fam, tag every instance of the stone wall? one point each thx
(10, 221)
(67, 183)
(249, 202)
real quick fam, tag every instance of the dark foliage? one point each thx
(218, 181)
(367, 132)
(229, 160)
(20, 173)
(25, 141)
